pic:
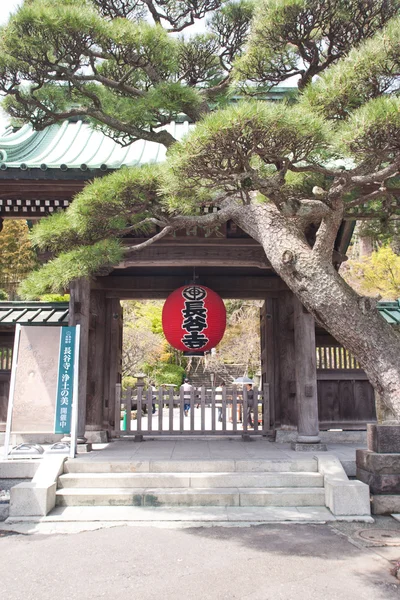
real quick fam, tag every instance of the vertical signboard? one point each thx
(43, 398)
(65, 385)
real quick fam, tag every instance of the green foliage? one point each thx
(3, 295)
(373, 129)
(54, 298)
(128, 382)
(369, 71)
(378, 274)
(108, 61)
(55, 276)
(106, 207)
(17, 257)
(167, 373)
(382, 232)
(120, 67)
(303, 37)
(239, 142)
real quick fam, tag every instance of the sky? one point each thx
(7, 7)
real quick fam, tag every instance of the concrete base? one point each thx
(347, 498)
(18, 469)
(382, 464)
(35, 438)
(383, 504)
(39, 496)
(285, 436)
(381, 471)
(383, 438)
(343, 497)
(97, 437)
(83, 448)
(302, 447)
(4, 510)
(380, 484)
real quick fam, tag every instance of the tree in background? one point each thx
(240, 346)
(376, 275)
(143, 341)
(287, 174)
(145, 348)
(17, 256)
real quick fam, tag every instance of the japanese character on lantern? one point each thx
(194, 318)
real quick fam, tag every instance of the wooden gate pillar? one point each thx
(112, 361)
(95, 381)
(306, 376)
(286, 408)
(79, 314)
(269, 365)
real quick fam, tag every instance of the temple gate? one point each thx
(313, 382)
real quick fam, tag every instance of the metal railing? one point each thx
(205, 411)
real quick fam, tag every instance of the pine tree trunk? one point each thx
(353, 321)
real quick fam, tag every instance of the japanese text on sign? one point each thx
(65, 381)
(194, 317)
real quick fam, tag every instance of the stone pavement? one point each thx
(265, 562)
(212, 448)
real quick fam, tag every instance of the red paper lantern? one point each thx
(194, 318)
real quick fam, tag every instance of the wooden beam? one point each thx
(206, 255)
(160, 286)
(39, 189)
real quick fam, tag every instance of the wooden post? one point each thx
(285, 406)
(96, 353)
(269, 360)
(306, 377)
(79, 313)
(112, 361)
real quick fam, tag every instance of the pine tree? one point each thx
(287, 174)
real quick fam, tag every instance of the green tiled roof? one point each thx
(56, 313)
(390, 311)
(33, 313)
(76, 145)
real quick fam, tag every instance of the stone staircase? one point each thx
(189, 483)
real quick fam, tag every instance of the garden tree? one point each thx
(381, 232)
(377, 274)
(274, 169)
(144, 342)
(17, 256)
(242, 323)
(145, 348)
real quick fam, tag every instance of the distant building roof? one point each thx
(56, 313)
(390, 311)
(33, 313)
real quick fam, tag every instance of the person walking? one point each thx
(187, 390)
(218, 402)
(250, 405)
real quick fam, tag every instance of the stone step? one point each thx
(191, 466)
(156, 497)
(73, 519)
(190, 480)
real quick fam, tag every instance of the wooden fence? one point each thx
(5, 358)
(335, 357)
(206, 411)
